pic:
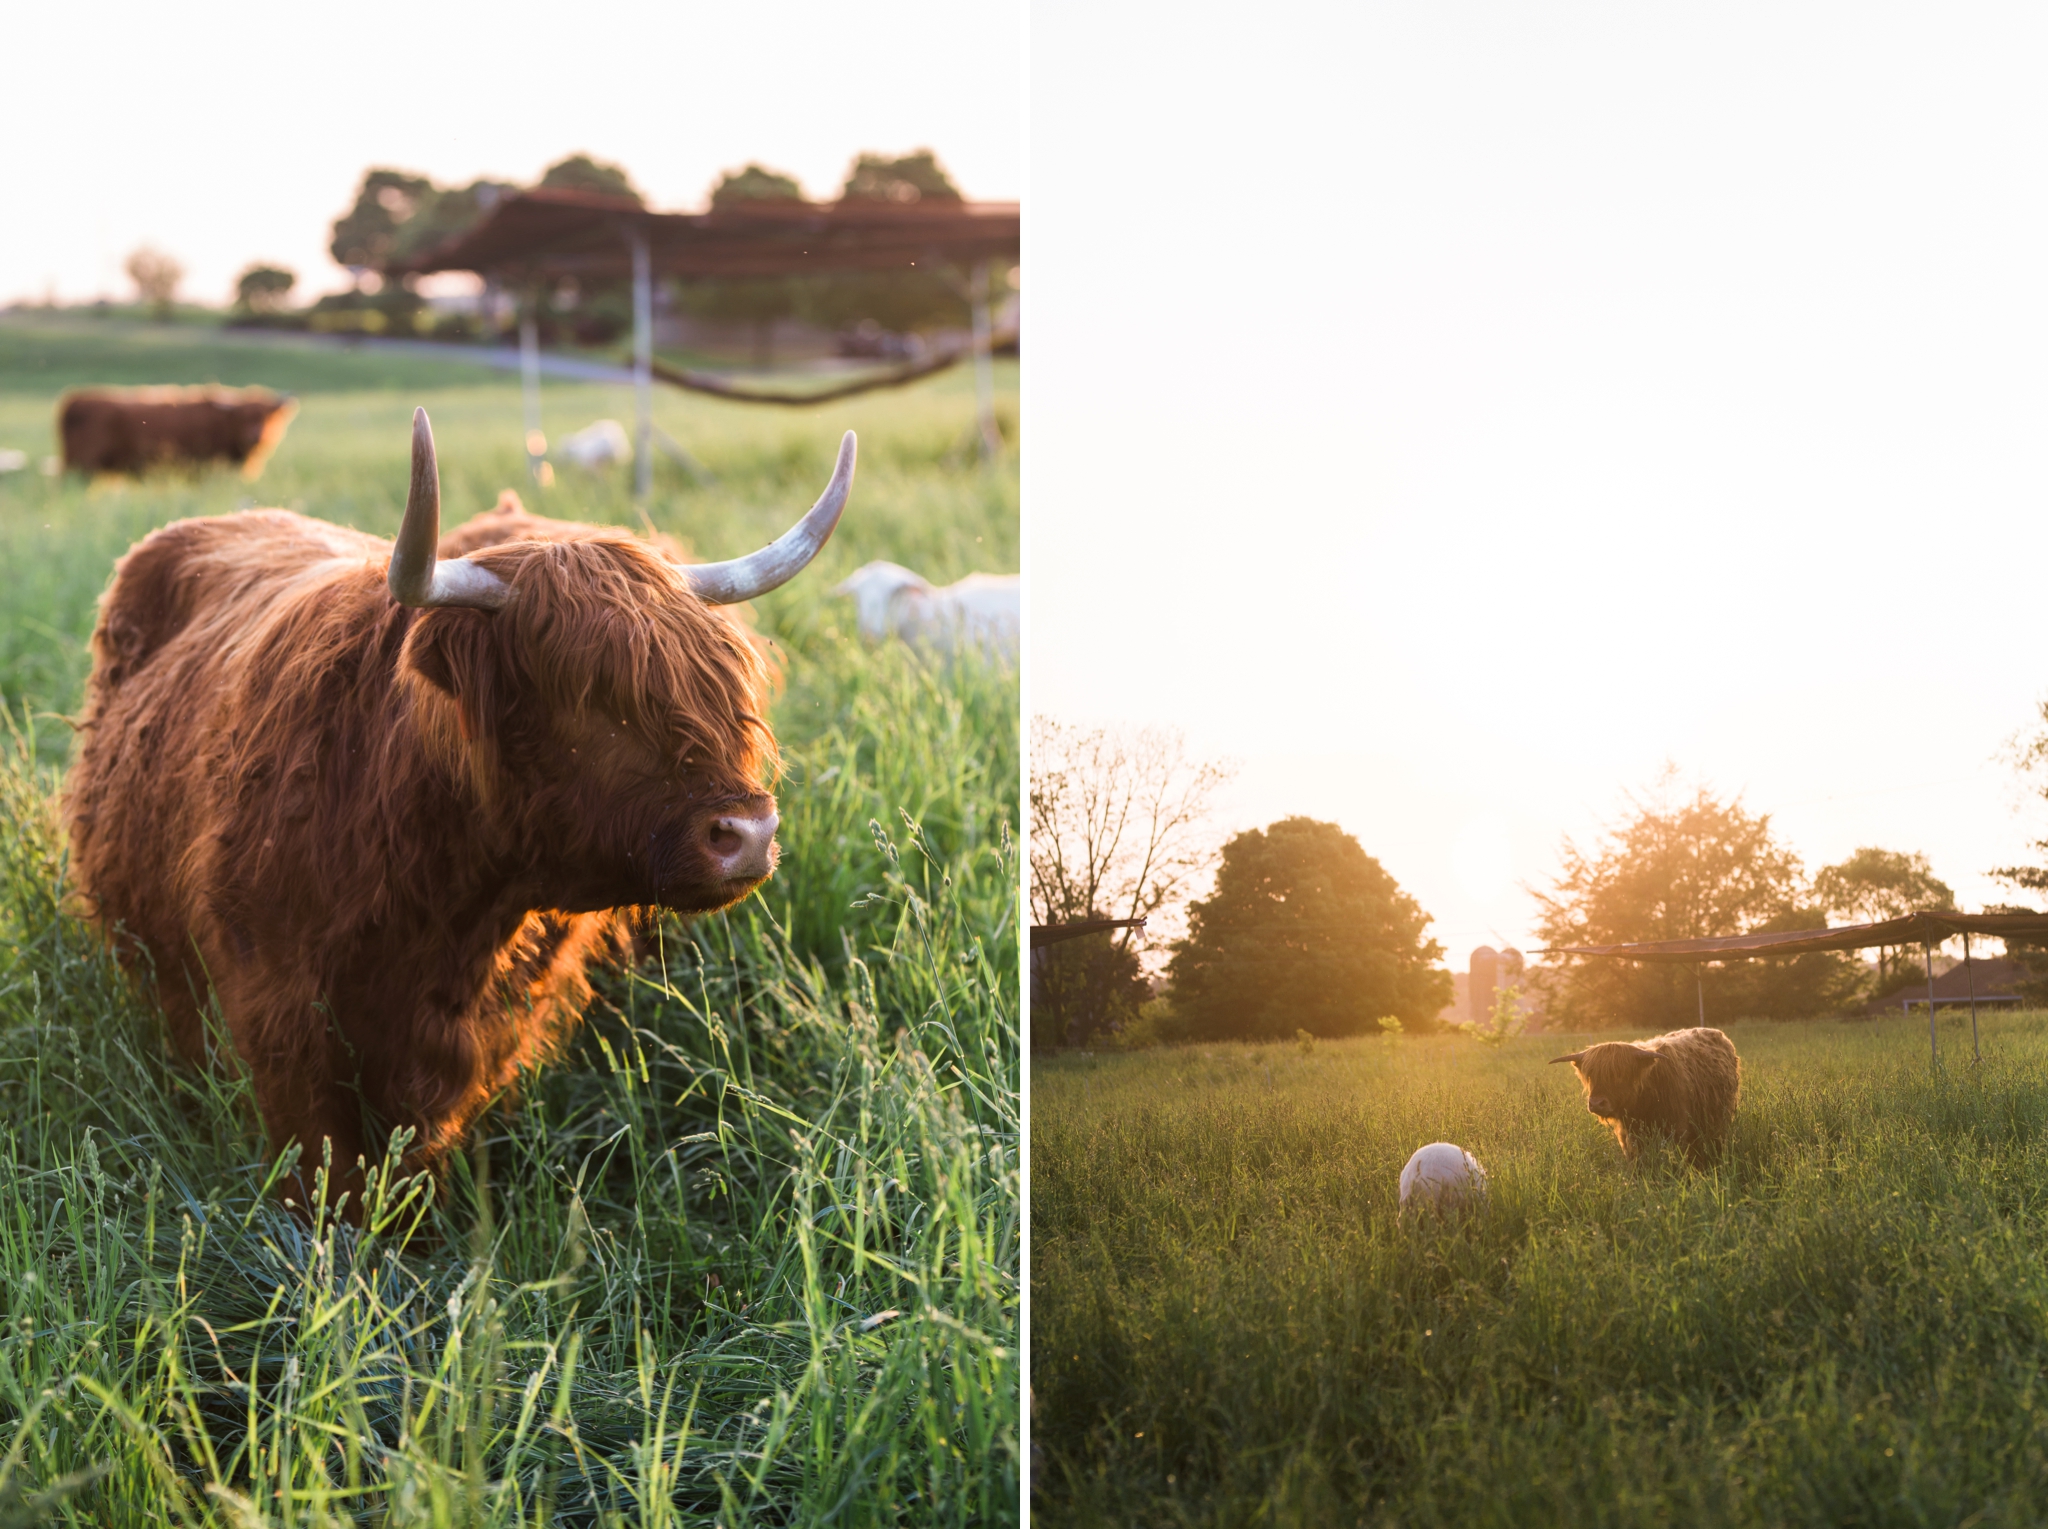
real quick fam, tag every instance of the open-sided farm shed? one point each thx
(1926, 930)
(544, 235)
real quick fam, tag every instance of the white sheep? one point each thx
(1442, 1176)
(890, 600)
(598, 445)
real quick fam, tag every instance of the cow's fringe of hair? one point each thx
(585, 629)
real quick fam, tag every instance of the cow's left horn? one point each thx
(784, 558)
(417, 576)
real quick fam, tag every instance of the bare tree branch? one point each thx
(1119, 822)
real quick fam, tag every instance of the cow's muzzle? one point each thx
(742, 848)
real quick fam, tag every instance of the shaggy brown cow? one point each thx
(388, 806)
(125, 430)
(1685, 1084)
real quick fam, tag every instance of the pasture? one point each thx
(747, 1253)
(1845, 1323)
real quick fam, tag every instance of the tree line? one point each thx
(398, 215)
(1294, 929)
(1300, 932)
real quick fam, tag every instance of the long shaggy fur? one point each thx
(126, 430)
(393, 840)
(1685, 1084)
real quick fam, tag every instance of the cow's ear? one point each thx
(452, 651)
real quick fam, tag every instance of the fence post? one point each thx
(1969, 967)
(1933, 1041)
(984, 367)
(529, 383)
(643, 366)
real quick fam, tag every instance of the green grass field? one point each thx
(748, 1253)
(1844, 1324)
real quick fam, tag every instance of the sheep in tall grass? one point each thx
(597, 446)
(889, 600)
(1441, 1176)
(1684, 1084)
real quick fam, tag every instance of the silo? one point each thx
(1485, 971)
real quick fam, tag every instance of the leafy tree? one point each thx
(1683, 869)
(449, 213)
(1305, 931)
(1086, 989)
(156, 277)
(1876, 884)
(397, 215)
(579, 172)
(264, 288)
(754, 183)
(366, 237)
(916, 177)
(900, 301)
(757, 301)
(1119, 829)
(2028, 755)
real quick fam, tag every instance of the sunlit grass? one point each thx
(748, 1253)
(1845, 1323)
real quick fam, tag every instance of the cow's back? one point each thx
(126, 430)
(174, 702)
(1705, 1080)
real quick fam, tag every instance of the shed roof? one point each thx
(583, 233)
(1043, 935)
(1914, 929)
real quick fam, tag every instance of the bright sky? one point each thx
(230, 132)
(1457, 411)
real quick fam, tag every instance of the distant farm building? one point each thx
(1487, 971)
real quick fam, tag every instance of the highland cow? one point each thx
(127, 430)
(1685, 1085)
(390, 806)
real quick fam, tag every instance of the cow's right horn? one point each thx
(784, 558)
(417, 576)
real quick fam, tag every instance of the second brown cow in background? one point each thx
(128, 430)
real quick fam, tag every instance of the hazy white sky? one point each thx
(231, 132)
(1457, 411)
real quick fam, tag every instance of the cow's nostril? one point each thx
(744, 847)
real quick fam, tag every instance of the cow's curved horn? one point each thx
(417, 576)
(1573, 1058)
(784, 558)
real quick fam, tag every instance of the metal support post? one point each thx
(984, 367)
(1933, 1040)
(529, 384)
(1970, 969)
(643, 366)
(1700, 987)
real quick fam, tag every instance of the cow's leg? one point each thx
(332, 1150)
(307, 1088)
